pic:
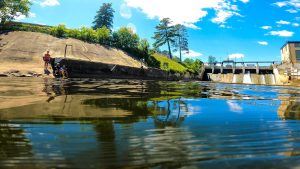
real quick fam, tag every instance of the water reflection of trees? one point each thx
(13, 144)
(173, 113)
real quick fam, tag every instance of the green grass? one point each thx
(172, 65)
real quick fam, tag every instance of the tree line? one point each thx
(175, 37)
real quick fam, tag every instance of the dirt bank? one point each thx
(21, 53)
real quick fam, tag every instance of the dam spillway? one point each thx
(241, 72)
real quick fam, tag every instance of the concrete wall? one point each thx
(82, 69)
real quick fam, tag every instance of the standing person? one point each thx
(47, 59)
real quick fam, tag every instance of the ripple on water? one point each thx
(120, 124)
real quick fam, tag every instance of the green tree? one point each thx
(104, 17)
(74, 33)
(125, 39)
(165, 34)
(59, 31)
(88, 34)
(211, 59)
(193, 66)
(144, 46)
(103, 36)
(181, 44)
(176, 59)
(9, 9)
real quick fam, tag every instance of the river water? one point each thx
(86, 123)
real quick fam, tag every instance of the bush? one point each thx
(103, 36)
(74, 33)
(88, 34)
(14, 26)
(59, 31)
(193, 66)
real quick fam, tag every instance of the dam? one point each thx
(248, 72)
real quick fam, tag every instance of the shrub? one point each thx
(59, 31)
(193, 66)
(74, 33)
(103, 36)
(88, 34)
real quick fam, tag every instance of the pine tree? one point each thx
(165, 34)
(181, 44)
(104, 17)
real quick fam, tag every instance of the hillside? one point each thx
(172, 65)
(23, 51)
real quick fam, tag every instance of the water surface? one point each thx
(86, 123)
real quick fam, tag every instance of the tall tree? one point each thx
(9, 9)
(165, 34)
(181, 44)
(144, 46)
(211, 59)
(104, 17)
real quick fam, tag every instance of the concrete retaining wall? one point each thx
(85, 69)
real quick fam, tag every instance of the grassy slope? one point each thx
(173, 65)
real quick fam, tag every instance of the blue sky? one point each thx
(242, 29)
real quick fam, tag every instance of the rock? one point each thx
(28, 75)
(16, 74)
(3, 75)
(33, 73)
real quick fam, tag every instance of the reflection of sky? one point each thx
(213, 130)
(234, 106)
(208, 129)
(182, 107)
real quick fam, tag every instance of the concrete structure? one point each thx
(290, 52)
(226, 67)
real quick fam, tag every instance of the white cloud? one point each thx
(192, 54)
(283, 33)
(264, 43)
(19, 16)
(245, 1)
(266, 27)
(225, 26)
(31, 15)
(281, 4)
(46, 3)
(291, 11)
(223, 16)
(236, 56)
(125, 11)
(295, 4)
(132, 27)
(187, 12)
(282, 22)
(296, 24)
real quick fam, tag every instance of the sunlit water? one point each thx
(147, 124)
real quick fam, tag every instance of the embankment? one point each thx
(21, 54)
